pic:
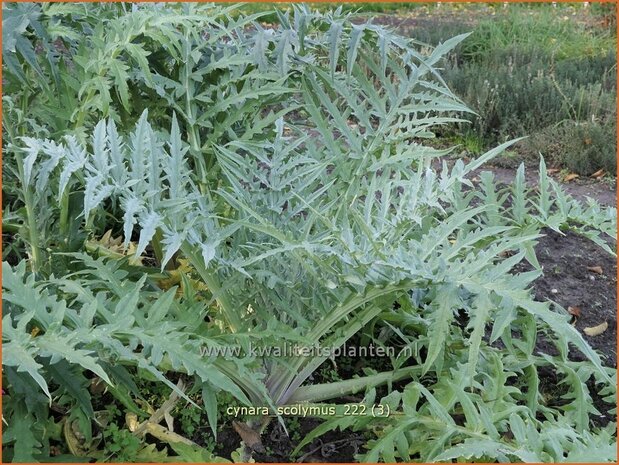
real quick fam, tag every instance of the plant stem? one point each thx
(64, 216)
(33, 231)
(348, 330)
(157, 249)
(320, 392)
(192, 133)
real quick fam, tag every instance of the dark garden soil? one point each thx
(334, 446)
(567, 261)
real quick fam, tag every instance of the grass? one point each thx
(547, 73)
(555, 32)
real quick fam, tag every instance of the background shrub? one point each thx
(582, 148)
(537, 71)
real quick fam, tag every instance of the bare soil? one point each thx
(332, 447)
(568, 282)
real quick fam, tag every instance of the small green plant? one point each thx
(120, 444)
(293, 426)
(189, 419)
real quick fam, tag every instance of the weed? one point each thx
(120, 444)
(294, 429)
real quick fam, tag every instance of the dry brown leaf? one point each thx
(574, 311)
(570, 177)
(596, 330)
(553, 170)
(169, 420)
(115, 248)
(598, 174)
(595, 269)
(175, 277)
(74, 438)
(97, 386)
(165, 435)
(250, 437)
(132, 421)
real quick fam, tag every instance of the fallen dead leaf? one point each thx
(574, 311)
(595, 269)
(132, 421)
(169, 420)
(250, 437)
(97, 386)
(570, 177)
(598, 174)
(114, 247)
(596, 330)
(553, 170)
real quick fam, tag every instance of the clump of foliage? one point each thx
(582, 148)
(530, 70)
(281, 177)
(560, 102)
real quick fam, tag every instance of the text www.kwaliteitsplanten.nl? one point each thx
(295, 350)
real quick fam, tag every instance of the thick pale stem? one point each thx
(292, 374)
(351, 328)
(320, 392)
(64, 216)
(33, 231)
(192, 132)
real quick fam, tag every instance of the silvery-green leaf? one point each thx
(149, 224)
